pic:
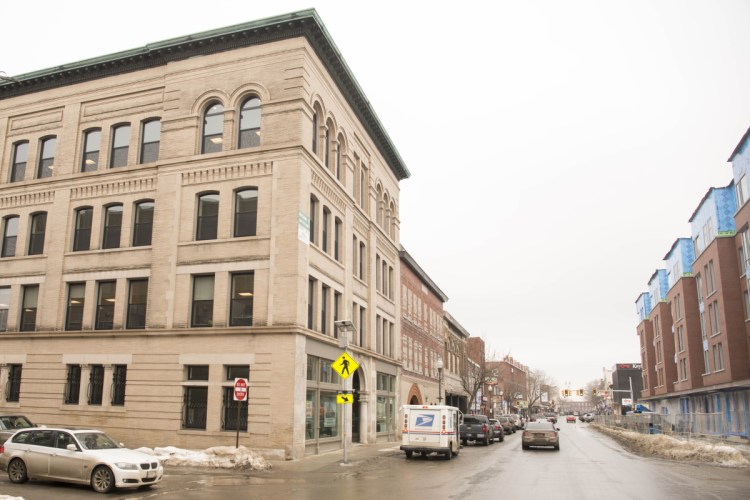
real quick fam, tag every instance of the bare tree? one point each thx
(475, 377)
(538, 383)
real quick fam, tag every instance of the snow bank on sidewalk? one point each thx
(219, 457)
(659, 445)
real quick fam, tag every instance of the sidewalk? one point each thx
(357, 455)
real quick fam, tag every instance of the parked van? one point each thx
(431, 429)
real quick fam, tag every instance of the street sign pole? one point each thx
(240, 395)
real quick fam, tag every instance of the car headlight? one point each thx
(126, 466)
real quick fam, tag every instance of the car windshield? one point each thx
(96, 441)
(15, 422)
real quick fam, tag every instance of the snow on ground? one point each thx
(6, 497)
(659, 445)
(218, 457)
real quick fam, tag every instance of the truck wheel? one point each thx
(464, 442)
(448, 455)
(525, 446)
(486, 442)
(408, 453)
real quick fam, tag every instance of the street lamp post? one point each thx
(439, 365)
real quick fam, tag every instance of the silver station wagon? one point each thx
(77, 456)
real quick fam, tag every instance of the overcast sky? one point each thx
(557, 148)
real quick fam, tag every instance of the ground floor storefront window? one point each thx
(386, 404)
(322, 413)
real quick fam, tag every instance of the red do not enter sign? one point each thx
(240, 389)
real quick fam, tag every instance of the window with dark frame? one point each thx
(10, 236)
(229, 420)
(313, 219)
(38, 229)
(76, 302)
(213, 129)
(72, 385)
(245, 212)
(105, 305)
(326, 229)
(208, 216)
(250, 123)
(4, 307)
(203, 301)
(241, 313)
(96, 385)
(90, 158)
(143, 223)
(315, 133)
(150, 141)
(112, 226)
(82, 236)
(28, 309)
(120, 146)
(137, 304)
(18, 166)
(13, 390)
(46, 158)
(119, 378)
(195, 398)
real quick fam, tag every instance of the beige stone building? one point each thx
(193, 211)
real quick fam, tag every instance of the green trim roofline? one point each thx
(305, 23)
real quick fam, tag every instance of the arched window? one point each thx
(379, 205)
(20, 155)
(10, 235)
(208, 216)
(338, 167)
(112, 226)
(213, 128)
(313, 219)
(150, 140)
(250, 123)
(82, 236)
(118, 156)
(90, 159)
(46, 158)
(315, 133)
(327, 152)
(143, 223)
(38, 229)
(326, 229)
(391, 229)
(246, 212)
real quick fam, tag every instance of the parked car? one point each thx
(477, 428)
(540, 434)
(518, 420)
(499, 431)
(77, 456)
(9, 424)
(509, 426)
(588, 417)
(570, 418)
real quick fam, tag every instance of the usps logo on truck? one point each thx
(424, 420)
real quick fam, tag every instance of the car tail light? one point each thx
(2, 449)
(525, 434)
(484, 427)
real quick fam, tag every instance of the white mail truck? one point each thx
(431, 429)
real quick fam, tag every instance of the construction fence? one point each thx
(705, 426)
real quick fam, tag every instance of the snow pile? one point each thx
(218, 457)
(6, 497)
(659, 445)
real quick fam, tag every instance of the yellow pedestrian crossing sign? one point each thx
(345, 365)
(345, 399)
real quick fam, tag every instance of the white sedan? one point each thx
(77, 456)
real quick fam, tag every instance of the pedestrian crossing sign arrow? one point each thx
(345, 365)
(345, 399)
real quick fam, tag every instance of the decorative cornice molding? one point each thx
(110, 188)
(27, 199)
(226, 173)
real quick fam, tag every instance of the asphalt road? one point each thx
(589, 465)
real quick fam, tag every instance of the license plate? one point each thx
(150, 474)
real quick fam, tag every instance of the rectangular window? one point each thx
(46, 158)
(362, 326)
(76, 302)
(326, 229)
(137, 304)
(325, 292)
(203, 301)
(246, 212)
(718, 357)
(208, 217)
(119, 377)
(313, 219)
(13, 392)
(105, 305)
(680, 338)
(18, 167)
(336, 311)
(337, 239)
(713, 312)
(38, 229)
(234, 413)
(195, 407)
(120, 144)
(72, 385)
(150, 140)
(745, 295)
(195, 398)
(362, 261)
(741, 188)
(4, 307)
(96, 385)
(312, 284)
(711, 277)
(243, 289)
(90, 160)
(28, 310)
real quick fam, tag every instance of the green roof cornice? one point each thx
(305, 23)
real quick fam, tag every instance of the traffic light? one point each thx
(580, 392)
(593, 392)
